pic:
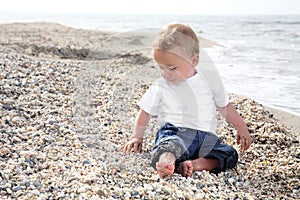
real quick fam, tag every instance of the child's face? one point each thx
(173, 67)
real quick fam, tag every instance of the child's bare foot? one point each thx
(186, 168)
(166, 165)
(165, 169)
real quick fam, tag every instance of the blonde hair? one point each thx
(178, 35)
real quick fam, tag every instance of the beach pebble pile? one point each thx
(62, 122)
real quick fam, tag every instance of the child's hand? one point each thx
(243, 138)
(134, 144)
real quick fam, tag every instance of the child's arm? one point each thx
(136, 140)
(233, 117)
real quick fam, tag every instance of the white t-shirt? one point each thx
(190, 104)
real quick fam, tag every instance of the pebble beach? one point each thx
(68, 101)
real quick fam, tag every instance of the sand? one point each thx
(291, 121)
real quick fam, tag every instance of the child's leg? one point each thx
(213, 156)
(167, 149)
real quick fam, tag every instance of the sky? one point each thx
(169, 7)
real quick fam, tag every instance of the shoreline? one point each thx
(63, 118)
(290, 120)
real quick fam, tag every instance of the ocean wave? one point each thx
(272, 22)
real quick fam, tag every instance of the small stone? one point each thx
(99, 191)
(231, 180)
(4, 151)
(29, 171)
(127, 195)
(48, 140)
(295, 191)
(26, 183)
(199, 185)
(82, 189)
(61, 195)
(28, 153)
(246, 184)
(264, 193)
(86, 162)
(37, 184)
(136, 193)
(9, 191)
(35, 192)
(17, 188)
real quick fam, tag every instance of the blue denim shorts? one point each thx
(190, 144)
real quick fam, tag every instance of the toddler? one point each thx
(185, 100)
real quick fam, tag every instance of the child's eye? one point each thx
(168, 67)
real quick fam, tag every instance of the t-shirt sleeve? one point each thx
(150, 101)
(220, 95)
(216, 85)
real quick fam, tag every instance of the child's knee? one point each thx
(227, 157)
(232, 160)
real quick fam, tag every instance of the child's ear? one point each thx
(195, 60)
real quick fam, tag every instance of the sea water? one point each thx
(257, 56)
